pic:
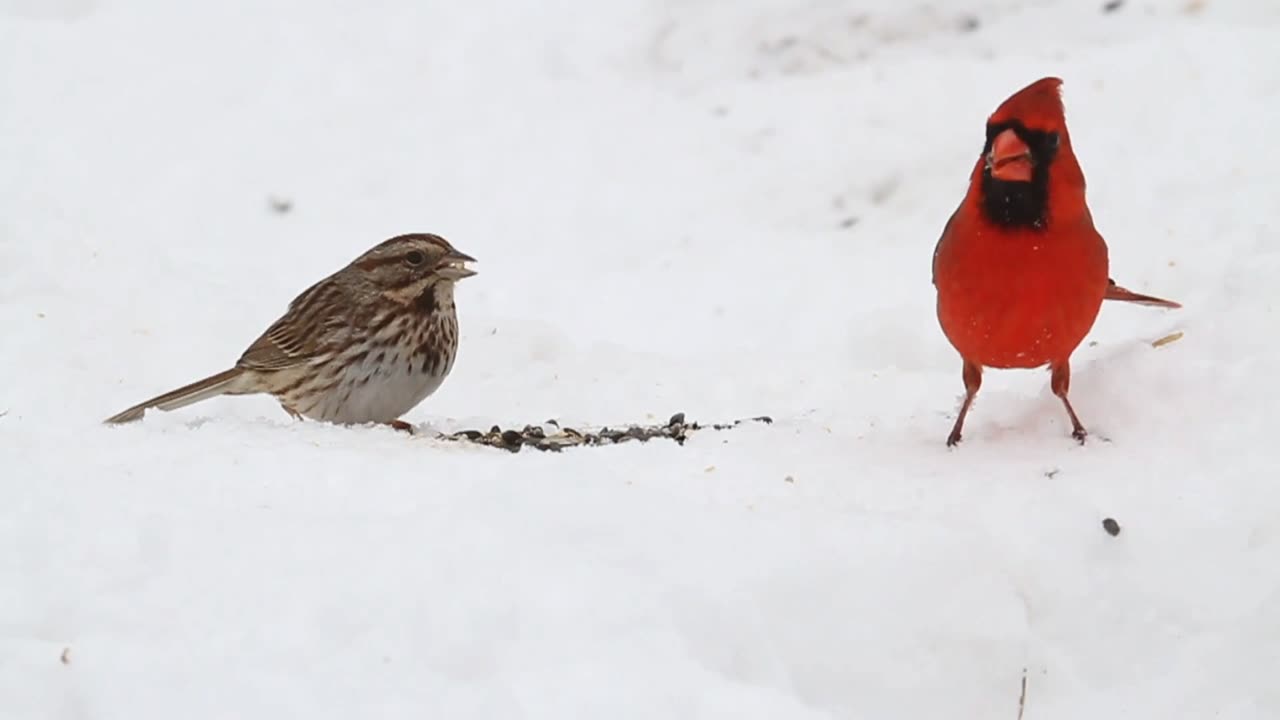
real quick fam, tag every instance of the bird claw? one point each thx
(953, 439)
(1079, 434)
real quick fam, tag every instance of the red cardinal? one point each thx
(1020, 270)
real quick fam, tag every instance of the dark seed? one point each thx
(677, 419)
(511, 437)
(1111, 526)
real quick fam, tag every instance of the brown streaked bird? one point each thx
(366, 344)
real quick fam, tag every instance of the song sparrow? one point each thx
(366, 344)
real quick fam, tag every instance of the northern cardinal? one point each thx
(1020, 270)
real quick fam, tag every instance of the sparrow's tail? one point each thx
(212, 386)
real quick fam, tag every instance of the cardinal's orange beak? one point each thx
(1010, 158)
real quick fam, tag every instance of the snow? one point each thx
(721, 207)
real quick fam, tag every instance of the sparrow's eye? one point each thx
(415, 257)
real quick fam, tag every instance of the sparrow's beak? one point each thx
(1010, 158)
(453, 267)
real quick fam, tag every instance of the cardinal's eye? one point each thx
(415, 257)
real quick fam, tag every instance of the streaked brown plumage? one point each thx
(366, 344)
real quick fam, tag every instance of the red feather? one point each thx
(1020, 270)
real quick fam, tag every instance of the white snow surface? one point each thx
(721, 207)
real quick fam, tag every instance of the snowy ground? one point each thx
(722, 207)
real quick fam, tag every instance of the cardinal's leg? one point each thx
(972, 381)
(1061, 382)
